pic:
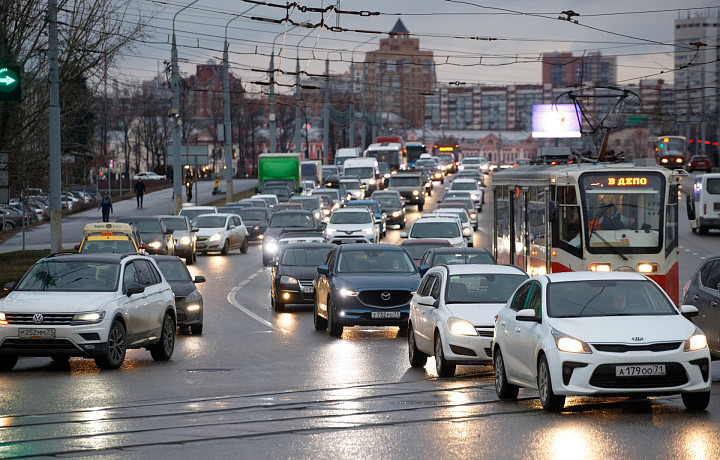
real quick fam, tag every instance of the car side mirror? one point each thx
(688, 311)
(528, 315)
(690, 207)
(9, 286)
(77, 247)
(194, 229)
(231, 227)
(428, 301)
(403, 235)
(323, 270)
(134, 288)
(322, 225)
(169, 231)
(423, 269)
(199, 279)
(143, 246)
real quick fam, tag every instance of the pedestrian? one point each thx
(106, 207)
(189, 180)
(139, 192)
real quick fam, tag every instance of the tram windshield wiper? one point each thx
(607, 243)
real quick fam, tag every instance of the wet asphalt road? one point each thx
(259, 384)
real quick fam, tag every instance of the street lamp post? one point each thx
(271, 114)
(298, 135)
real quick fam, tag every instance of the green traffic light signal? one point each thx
(10, 84)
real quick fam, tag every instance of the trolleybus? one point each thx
(450, 152)
(414, 150)
(671, 151)
(601, 217)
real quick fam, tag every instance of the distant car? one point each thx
(411, 186)
(377, 212)
(149, 176)
(597, 333)
(192, 212)
(703, 292)
(286, 206)
(9, 218)
(471, 186)
(283, 222)
(462, 216)
(699, 162)
(291, 278)
(220, 232)
(461, 203)
(392, 206)
(154, 234)
(417, 247)
(255, 220)
(184, 236)
(448, 228)
(310, 203)
(188, 300)
(452, 314)
(269, 199)
(455, 256)
(252, 203)
(364, 285)
(354, 187)
(88, 305)
(109, 238)
(352, 225)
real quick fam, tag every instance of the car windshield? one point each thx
(471, 161)
(375, 261)
(373, 207)
(360, 172)
(292, 219)
(174, 270)
(306, 257)
(350, 185)
(251, 214)
(193, 213)
(482, 287)
(389, 201)
(464, 186)
(459, 258)
(396, 181)
(575, 299)
(460, 215)
(418, 250)
(108, 247)
(148, 226)
(175, 223)
(351, 218)
(456, 199)
(209, 221)
(435, 229)
(334, 195)
(307, 203)
(75, 275)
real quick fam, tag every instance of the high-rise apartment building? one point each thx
(567, 69)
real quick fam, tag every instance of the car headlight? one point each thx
(184, 241)
(194, 307)
(269, 245)
(330, 231)
(194, 296)
(155, 244)
(473, 215)
(459, 326)
(371, 182)
(3, 321)
(438, 175)
(88, 317)
(697, 341)
(326, 211)
(569, 344)
(461, 167)
(216, 237)
(474, 197)
(416, 192)
(316, 214)
(369, 230)
(466, 231)
(287, 280)
(386, 176)
(396, 213)
(348, 293)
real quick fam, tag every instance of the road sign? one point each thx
(4, 178)
(10, 84)
(196, 155)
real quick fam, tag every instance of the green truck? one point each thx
(279, 169)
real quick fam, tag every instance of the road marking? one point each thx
(236, 304)
(243, 282)
(694, 253)
(686, 250)
(252, 276)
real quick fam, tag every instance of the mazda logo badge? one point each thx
(638, 339)
(385, 296)
(38, 318)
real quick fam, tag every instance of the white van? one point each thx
(366, 169)
(344, 154)
(704, 214)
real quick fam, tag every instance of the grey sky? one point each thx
(642, 40)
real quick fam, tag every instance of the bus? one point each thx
(597, 217)
(671, 151)
(414, 150)
(449, 152)
(392, 153)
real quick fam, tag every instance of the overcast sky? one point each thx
(640, 33)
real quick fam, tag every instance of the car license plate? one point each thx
(385, 315)
(640, 370)
(39, 333)
(308, 290)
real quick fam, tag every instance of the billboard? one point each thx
(556, 120)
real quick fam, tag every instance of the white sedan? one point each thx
(220, 232)
(452, 314)
(149, 176)
(591, 333)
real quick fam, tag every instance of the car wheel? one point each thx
(696, 401)
(319, 322)
(226, 248)
(266, 261)
(503, 389)
(276, 304)
(189, 260)
(8, 226)
(420, 207)
(443, 368)
(196, 329)
(194, 256)
(550, 401)
(334, 329)
(416, 357)
(703, 230)
(163, 350)
(244, 247)
(402, 224)
(116, 348)
(7, 362)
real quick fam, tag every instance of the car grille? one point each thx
(375, 298)
(485, 332)
(202, 238)
(604, 377)
(58, 319)
(305, 283)
(38, 345)
(181, 315)
(621, 348)
(179, 299)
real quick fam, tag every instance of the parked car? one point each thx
(154, 234)
(149, 175)
(184, 236)
(220, 232)
(701, 162)
(188, 300)
(9, 217)
(93, 306)
(292, 276)
(595, 333)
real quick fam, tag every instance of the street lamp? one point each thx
(271, 114)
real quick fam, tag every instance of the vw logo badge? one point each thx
(385, 296)
(638, 339)
(38, 318)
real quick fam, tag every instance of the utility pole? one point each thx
(54, 112)
(326, 114)
(271, 114)
(374, 121)
(363, 122)
(352, 102)
(298, 135)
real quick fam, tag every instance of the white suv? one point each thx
(88, 305)
(352, 225)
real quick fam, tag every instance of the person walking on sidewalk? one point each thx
(106, 207)
(139, 192)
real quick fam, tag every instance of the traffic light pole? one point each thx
(54, 112)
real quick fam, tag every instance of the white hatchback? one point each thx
(452, 314)
(446, 228)
(220, 232)
(592, 333)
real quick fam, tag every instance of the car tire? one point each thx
(443, 368)
(196, 329)
(549, 400)
(163, 350)
(503, 388)
(696, 401)
(703, 230)
(114, 357)
(194, 256)
(334, 329)
(277, 305)
(319, 322)
(226, 248)
(244, 247)
(265, 261)
(416, 357)
(8, 226)
(7, 362)
(420, 206)
(470, 244)
(189, 260)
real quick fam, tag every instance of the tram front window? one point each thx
(623, 212)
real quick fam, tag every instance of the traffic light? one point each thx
(10, 87)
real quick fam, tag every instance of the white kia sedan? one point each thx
(220, 232)
(591, 333)
(452, 314)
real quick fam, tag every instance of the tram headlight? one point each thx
(647, 268)
(600, 267)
